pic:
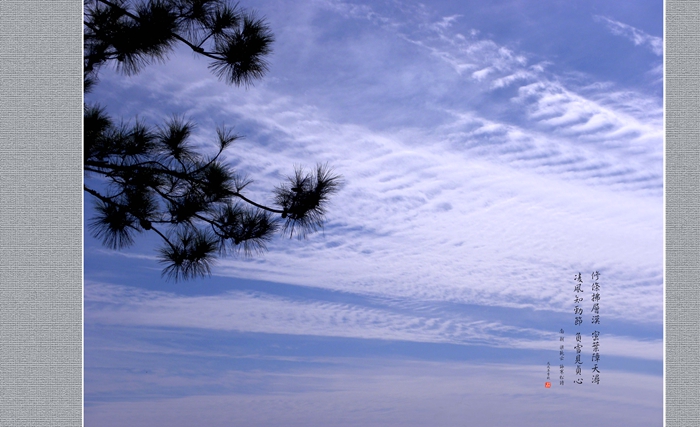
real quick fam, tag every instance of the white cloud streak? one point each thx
(635, 35)
(263, 313)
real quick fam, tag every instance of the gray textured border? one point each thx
(682, 185)
(41, 227)
(40, 213)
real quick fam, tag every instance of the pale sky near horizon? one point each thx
(490, 151)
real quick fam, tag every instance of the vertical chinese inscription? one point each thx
(595, 297)
(595, 319)
(561, 357)
(578, 320)
(582, 330)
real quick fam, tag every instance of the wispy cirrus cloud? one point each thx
(635, 35)
(264, 313)
(459, 207)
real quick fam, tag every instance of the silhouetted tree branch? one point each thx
(152, 178)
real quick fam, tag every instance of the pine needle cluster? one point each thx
(151, 178)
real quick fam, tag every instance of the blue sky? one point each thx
(489, 152)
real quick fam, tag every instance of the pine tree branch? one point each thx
(247, 200)
(164, 238)
(163, 169)
(105, 199)
(198, 49)
(175, 35)
(156, 178)
(183, 176)
(108, 200)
